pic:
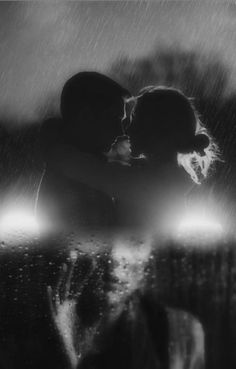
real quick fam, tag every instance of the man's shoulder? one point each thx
(50, 128)
(51, 135)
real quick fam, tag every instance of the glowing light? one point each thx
(196, 224)
(17, 223)
(200, 227)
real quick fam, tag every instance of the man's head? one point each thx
(92, 108)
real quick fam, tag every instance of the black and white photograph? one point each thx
(118, 184)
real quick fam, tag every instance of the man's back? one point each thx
(64, 204)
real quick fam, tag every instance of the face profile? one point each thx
(92, 108)
(169, 117)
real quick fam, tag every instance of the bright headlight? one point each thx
(198, 228)
(17, 223)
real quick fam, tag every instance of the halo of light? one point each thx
(16, 224)
(199, 224)
(198, 228)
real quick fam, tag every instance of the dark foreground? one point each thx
(199, 281)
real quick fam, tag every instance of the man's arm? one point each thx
(86, 168)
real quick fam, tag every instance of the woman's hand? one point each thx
(63, 300)
(120, 151)
(62, 303)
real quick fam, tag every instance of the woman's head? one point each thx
(165, 125)
(92, 108)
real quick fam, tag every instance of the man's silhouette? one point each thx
(92, 109)
(71, 213)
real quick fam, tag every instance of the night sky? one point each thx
(42, 44)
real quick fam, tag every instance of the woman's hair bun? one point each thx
(201, 142)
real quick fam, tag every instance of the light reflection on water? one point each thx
(186, 345)
(128, 263)
(186, 334)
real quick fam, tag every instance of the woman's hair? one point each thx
(198, 163)
(165, 115)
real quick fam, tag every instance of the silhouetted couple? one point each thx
(86, 162)
(100, 182)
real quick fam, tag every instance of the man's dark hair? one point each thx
(89, 89)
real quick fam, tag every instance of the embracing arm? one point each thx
(87, 169)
